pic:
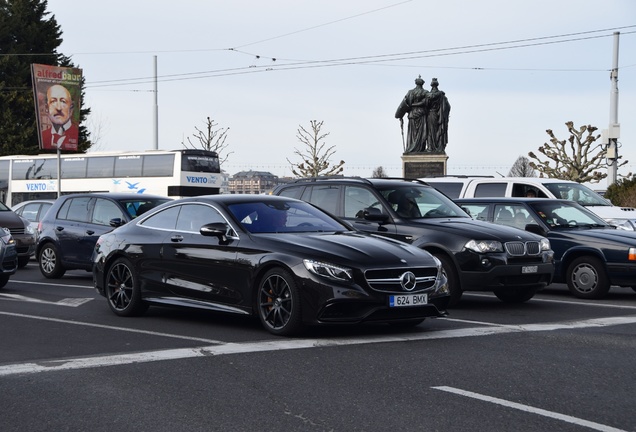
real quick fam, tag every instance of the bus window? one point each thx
(200, 163)
(74, 168)
(28, 169)
(128, 166)
(101, 166)
(158, 165)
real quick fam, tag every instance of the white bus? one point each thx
(171, 173)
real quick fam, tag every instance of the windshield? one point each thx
(283, 216)
(566, 215)
(578, 193)
(415, 201)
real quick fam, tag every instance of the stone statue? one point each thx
(414, 104)
(437, 113)
(428, 114)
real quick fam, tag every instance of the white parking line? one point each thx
(72, 302)
(51, 283)
(527, 408)
(284, 344)
(126, 329)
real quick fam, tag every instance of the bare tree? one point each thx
(578, 158)
(211, 139)
(522, 168)
(97, 129)
(315, 157)
(379, 173)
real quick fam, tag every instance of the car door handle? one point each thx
(176, 238)
(59, 228)
(90, 232)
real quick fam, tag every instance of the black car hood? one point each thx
(478, 230)
(348, 246)
(11, 220)
(599, 234)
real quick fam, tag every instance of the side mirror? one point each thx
(217, 229)
(536, 229)
(375, 215)
(116, 222)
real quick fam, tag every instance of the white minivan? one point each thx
(479, 187)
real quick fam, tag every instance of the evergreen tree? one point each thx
(28, 34)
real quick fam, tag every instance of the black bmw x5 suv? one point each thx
(476, 255)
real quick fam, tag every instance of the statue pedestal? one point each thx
(416, 165)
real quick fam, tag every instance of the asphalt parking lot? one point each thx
(554, 363)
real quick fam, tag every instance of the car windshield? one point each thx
(413, 201)
(283, 216)
(566, 215)
(578, 193)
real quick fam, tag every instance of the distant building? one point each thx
(252, 182)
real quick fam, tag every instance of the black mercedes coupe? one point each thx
(281, 259)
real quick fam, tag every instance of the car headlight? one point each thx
(624, 224)
(482, 246)
(544, 243)
(29, 229)
(329, 271)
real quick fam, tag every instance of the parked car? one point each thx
(21, 231)
(33, 210)
(281, 259)
(476, 256)
(481, 187)
(68, 232)
(8, 256)
(590, 255)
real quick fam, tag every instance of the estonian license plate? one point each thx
(529, 269)
(408, 300)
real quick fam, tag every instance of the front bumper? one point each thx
(496, 271)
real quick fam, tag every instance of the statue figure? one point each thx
(437, 113)
(414, 103)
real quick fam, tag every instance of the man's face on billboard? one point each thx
(59, 104)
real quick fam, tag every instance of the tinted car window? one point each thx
(325, 197)
(356, 199)
(76, 209)
(193, 216)
(292, 192)
(104, 211)
(490, 190)
(449, 189)
(29, 212)
(165, 219)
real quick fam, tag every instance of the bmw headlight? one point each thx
(624, 224)
(545, 244)
(329, 271)
(481, 246)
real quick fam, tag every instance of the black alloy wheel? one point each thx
(279, 303)
(122, 289)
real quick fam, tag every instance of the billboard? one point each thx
(57, 106)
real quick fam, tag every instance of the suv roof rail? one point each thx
(355, 178)
(461, 176)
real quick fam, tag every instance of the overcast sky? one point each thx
(510, 69)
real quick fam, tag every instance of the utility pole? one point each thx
(156, 112)
(614, 131)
